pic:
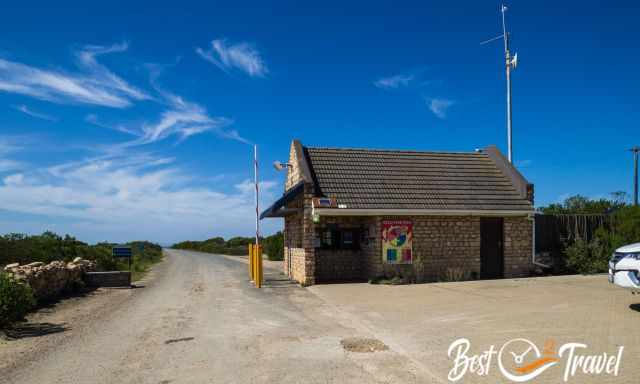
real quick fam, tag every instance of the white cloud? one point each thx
(96, 85)
(182, 119)
(394, 82)
(27, 111)
(128, 197)
(439, 107)
(15, 179)
(242, 56)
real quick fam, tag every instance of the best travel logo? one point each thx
(520, 360)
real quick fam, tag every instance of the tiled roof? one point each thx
(383, 179)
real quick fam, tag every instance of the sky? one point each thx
(135, 120)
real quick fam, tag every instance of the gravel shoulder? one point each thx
(58, 322)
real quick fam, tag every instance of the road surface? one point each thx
(197, 320)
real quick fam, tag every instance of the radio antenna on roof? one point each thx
(511, 63)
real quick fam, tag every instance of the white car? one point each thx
(624, 267)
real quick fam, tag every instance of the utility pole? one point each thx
(511, 63)
(635, 151)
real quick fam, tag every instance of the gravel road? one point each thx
(197, 320)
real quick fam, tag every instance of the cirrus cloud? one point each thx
(241, 56)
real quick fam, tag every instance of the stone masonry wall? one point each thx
(294, 173)
(518, 241)
(440, 244)
(449, 245)
(48, 281)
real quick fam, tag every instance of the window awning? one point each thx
(278, 209)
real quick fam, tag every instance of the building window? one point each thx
(333, 238)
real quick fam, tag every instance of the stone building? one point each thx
(356, 214)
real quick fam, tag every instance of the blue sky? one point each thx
(130, 120)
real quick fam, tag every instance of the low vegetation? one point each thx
(16, 299)
(238, 246)
(48, 247)
(592, 255)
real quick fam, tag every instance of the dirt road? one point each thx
(197, 320)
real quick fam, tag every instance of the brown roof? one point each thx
(385, 179)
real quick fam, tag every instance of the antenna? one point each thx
(511, 63)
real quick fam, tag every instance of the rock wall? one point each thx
(50, 280)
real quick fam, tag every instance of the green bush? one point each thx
(16, 299)
(274, 246)
(237, 246)
(593, 256)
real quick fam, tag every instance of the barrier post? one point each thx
(251, 262)
(261, 273)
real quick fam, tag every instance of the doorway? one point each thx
(491, 248)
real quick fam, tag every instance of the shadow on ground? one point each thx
(26, 330)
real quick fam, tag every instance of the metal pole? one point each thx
(255, 170)
(635, 174)
(508, 62)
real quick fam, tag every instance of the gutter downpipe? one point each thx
(532, 217)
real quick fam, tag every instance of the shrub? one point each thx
(450, 274)
(274, 246)
(15, 300)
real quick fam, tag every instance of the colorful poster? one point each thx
(397, 236)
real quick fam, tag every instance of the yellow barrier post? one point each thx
(258, 279)
(260, 274)
(250, 262)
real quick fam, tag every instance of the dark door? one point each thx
(491, 256)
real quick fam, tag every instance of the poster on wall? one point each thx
(397, 238)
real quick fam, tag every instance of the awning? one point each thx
(278, 209)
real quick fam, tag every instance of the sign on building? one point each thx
(397, 239)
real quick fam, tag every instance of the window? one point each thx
(334, 238)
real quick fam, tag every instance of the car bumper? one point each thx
(624, 278)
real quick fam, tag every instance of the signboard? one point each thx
(121, 251)
(397, 238)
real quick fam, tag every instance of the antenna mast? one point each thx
(510, 62)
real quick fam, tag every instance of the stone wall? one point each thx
(444, 247)
(518, 244)
(50, 280)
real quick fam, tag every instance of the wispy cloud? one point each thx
(108, 194)
(242, 56)
(394, 82)
(95, 85)
(8, 146)
(182, 119)
(439, 107)
(27, 111)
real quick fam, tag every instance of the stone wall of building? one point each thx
(294, 173)
(518, 243)
(443, 246)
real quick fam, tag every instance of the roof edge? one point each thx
(419, 212)
(519, 182)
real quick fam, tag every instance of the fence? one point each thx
(554, 232)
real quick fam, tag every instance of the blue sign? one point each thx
(121, 251)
